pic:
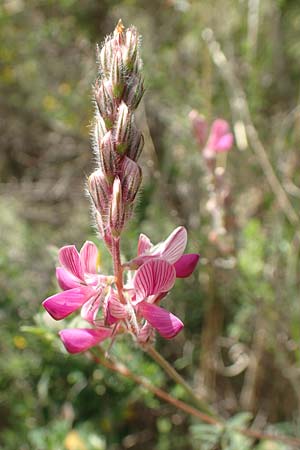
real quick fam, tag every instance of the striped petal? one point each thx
(163, 321)
(173, 247)
(63, 304)
(69, 258)
(65, 279)
(89, 257)
(90, 309)
(186, 265)
(78, 340)
(144, 244)
(153, 277)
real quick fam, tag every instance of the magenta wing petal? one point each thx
(153, 277)
(90, 308)
(173, 247)
(224, 143)
(65, 279)
(186, 265)
(144, 244)
(63, 304)
(88, 257)
(220, 138)
(69, 258)
(78, 340)
(163, 321)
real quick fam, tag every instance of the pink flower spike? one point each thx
(186, 265)
(63, 304)
(163, 321)
(65, 279)
(153, 277)
(70, 260)
(88, 257)
(220, 138)
(78, 340)
(144, 244)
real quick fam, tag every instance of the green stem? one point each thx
(179, 380)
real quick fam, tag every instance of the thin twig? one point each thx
(124, 371)
(178, 379)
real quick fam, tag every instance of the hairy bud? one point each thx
(99, 192)
(131, 180)
(116, 216)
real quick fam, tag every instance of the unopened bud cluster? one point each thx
(117, 141)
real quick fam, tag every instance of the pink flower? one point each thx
(78, 340)
(152, 281)
(80, 282)
(170, 250)
(220, 138)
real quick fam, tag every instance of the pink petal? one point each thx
(89, 257)
(220, 138)
(70, 260)
(78, 340)
(186, 265)
(65, 279)
(224, 143)
(90, 309)
(173, 247)
(63, 304)
(116, 308)
(153, 277)
(163, 321)
(144, 244)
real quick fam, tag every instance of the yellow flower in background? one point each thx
(73, 441)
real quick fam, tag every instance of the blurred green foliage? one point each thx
(50, 400)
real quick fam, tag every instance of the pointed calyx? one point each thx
(118, 91)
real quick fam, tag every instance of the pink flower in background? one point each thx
(219, 139)
(170, 250)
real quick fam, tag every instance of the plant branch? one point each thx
(166, 366)
(124, 371)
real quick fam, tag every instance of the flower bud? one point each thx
(136, 144)
(119, 34)
(131, 176)
(105, 102)
(134, 92)
(108, 157)
(101, 222)
(116, 217)
(117, 76)
(130, 48)
(122, 129)
(104, 57)
(99, 191)
(99, 130)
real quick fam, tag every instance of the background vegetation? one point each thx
(240, 346)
